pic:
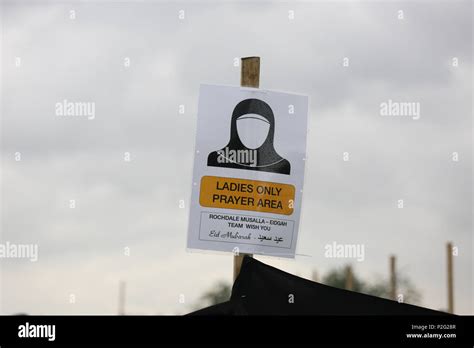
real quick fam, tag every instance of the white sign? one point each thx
(248, 171)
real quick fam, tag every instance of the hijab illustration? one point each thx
(266, 158)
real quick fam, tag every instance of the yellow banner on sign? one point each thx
(243, 194)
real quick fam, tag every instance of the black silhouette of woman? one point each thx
(267, 159)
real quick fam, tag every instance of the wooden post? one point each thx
(121, 304)
(250, 72)
(449, 250)
(393, 278)
(349, 278)
(249, 77)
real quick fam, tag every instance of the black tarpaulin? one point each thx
(264, 290)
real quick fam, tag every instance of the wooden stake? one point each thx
(393, 278)
(349, 278)
(250, 72)
(249, 77)
(121, 304)
(449, 250)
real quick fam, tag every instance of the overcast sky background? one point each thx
(136, 204)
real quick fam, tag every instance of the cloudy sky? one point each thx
(52, 51)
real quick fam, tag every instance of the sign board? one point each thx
(248, 171)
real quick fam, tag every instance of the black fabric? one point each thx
(264, 290)
(233, 307)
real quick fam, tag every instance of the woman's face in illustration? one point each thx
(252, 130)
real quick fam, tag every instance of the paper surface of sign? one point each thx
(248, 171)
